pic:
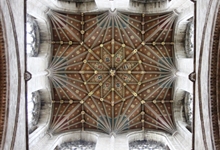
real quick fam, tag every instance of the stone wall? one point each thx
(12, 19)
(206, 13)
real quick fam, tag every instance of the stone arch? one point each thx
(79, 144)
(39, 81)
(37, 12)
(157, 137)
(183, 108)
(41, 126)
(149, 5)
(182, 30)
(173, 142)
(3, 82)
(214, 82)
(32, 37)
(51, 142)
(34, 106)
(71, 5)
(12, 26)
(147, 144)
(182, 62)
(183, 133)
(155, 6)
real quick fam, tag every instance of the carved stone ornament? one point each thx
(192, 76)
(27, 76)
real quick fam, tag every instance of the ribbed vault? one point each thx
(112, 72)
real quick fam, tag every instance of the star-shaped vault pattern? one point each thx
(112, 72)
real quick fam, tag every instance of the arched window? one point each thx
(34, 106)
(189, 40)
(147, 145)
(188, 105)
(77, 145)
(32, 37)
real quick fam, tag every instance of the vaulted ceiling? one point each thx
(112, 71)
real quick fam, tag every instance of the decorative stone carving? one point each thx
(77, 145)
(188, 106)
(27, 76)
(32, 37)
(34, 107)
(192, 77)
(189, 40)
(147, 145)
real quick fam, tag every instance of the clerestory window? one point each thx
(77, 145)
(32, 37)
(34, 106)
(147, 145)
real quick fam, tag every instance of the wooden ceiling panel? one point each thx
(112, 72)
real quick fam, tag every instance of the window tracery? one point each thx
(34, 106)
(77, 145)
(32, 37)
(147, 145)
(188, 104)
(189, 40)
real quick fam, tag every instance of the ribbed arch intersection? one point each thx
(112, 72)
